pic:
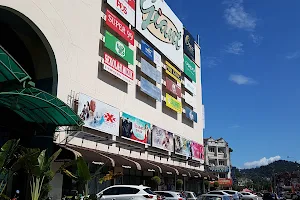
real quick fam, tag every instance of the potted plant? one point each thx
(156, 181)
(179, 183)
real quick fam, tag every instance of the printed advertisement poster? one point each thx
(173, 87)
(135, 129)
(119, 27)
(197, 151)
(118, 47)
(174, 73)
(162, 139)
(190, 114)
(190, 86)
(168, 38)
(182, 146)
(148, 51)
(173, 103)
(190, 68)
(98, 115)
(126, 8)
(189, 45)
(189, 99)
(150, 71)
(150, 89)
(117, 69)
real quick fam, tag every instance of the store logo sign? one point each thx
(189, 45)
(173, 103)
(115, 45)
(190, 68)
(160, 25)
(126, 8)
(174, 73)
(148, 51)
(173, 87)
(190, 114)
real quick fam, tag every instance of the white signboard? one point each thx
(190, 86)
(157, 22)
(126, 8)
(189, 99)
(98, 115)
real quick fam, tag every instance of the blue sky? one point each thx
(250, 74)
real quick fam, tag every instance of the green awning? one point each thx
(37, 106)
(10, 70)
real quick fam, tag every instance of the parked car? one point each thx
(248, 196)
(220, 192)
(190, 195)
(124, 192)
(169, 195)
(235, 194)
(215, 197)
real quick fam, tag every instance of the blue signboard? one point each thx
(147, 50)
(191, 114)
(150, 71)
(150, 89)
(189, 45)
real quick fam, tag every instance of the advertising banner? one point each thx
(162, 139)
(157, 22)
(117, 69)
(190, 114)
(135, 129)
(148, 51)
(182, 146)
(98, 115)
(150, 89)
(189, 45)
(224, 182)
(126, 8)
(190, 86)
(173, 103)
(197, 151)
(118, 47)
(174, 73)
(189, 99)
(150, 71)
(190, 68)
(173, 87)
(119, 27)
(219, 168)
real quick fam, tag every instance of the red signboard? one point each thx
(118, 69)
(225, 182)
(173, 87)
(118, 26)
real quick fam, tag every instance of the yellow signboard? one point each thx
(174, 73)
(173, 103)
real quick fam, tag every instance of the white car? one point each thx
(169, 195)
(219, 192)
(248, 196)
(235, 194)
(127, 192)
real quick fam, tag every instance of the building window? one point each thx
(211, 149)
(222, 175)
(221, 162)
(220, 150)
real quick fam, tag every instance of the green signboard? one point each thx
(118, 47)
(189, 68)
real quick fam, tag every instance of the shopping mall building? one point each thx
(128, 69)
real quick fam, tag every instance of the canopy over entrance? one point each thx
(37, 106)
(10, 70)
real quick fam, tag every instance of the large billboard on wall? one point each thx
(189, 45)
(190, 114)
(98, 115)
(117, 69)
(173, 103)
(173, 87)
(189, 99)
(126, 8)
(173, 72)
(153, 55)
(119, 27)
(197, 151)
(182, 146)
(162, 139)
(150, 71)
(157, 22)
(150, 89)
(118, 47)
(190, 68)
(135, 129)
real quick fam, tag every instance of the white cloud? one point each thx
(257, 39)
(241, 79)
(211, 62)
(293, 55)
(262, 162)
(235, 48)
(236, 16)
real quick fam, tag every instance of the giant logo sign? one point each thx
(157, 22)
